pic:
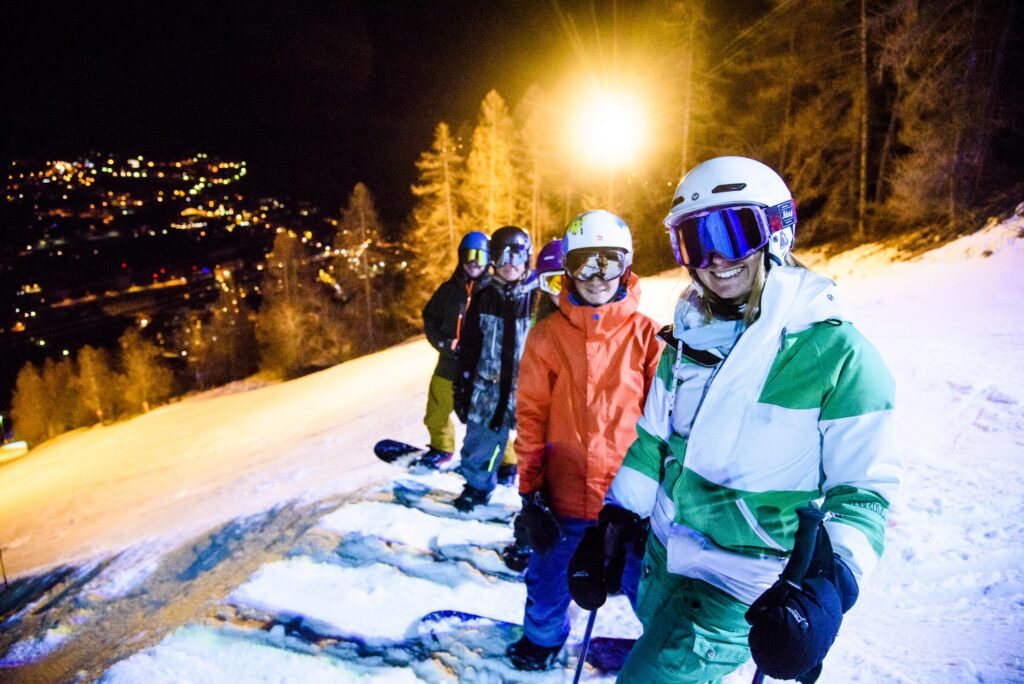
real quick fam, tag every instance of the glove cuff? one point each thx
(617, 515)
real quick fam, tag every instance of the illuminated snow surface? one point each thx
(322, 578)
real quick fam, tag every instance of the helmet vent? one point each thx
(728, 187)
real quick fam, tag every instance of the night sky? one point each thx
(315, 96)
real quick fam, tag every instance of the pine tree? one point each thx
(948, 61)
(59, 378)
(297, 328)
(535, 166)
(490, 188)
(362, 259)
(231, 336)
(439, 221)
(30, 405)
(148, 381)
(97, 385)
(794, 105)
(221, 339)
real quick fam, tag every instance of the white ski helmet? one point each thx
(725, 182)
(598, 228)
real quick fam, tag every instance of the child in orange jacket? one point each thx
(583, 379)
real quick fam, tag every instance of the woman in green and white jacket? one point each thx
(767, 397)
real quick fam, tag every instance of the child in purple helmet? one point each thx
(549, 278)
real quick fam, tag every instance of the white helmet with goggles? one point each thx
(597, 243)
(730, 206)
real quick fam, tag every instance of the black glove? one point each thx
(793, 624)
(536, 524)
(597, 564)
(462, 392)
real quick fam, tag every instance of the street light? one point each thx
(610, 132)
(610, 129)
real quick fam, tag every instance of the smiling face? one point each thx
(596, 291)
(472, 269)
(731, 281)
(510, 272)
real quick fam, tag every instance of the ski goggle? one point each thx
(551, 282)
(733, 233)
(517, 255)
(478, 256)
(607, 263)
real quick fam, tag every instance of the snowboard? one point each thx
(422, 496)
(477, 644)
(398, 453)
(454, 631)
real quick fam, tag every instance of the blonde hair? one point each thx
(751, 309)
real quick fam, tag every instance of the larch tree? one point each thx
(231, 336)
(97, 385)
(148, 382)
(438, 220)
(297, 327)
(535, 166)
(948, 60)
(362, 257)
(490, 188)
(59, 378)
(30, 405)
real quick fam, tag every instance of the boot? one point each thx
(528, 656)
(470, 498)
(434, 458)
(507, 474)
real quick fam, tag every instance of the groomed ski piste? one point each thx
(249, 534)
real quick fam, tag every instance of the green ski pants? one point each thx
(693, 631)
(440, 404)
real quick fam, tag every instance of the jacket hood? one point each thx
(599, 322)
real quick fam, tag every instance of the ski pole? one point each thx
(585, 646)
(810, 517)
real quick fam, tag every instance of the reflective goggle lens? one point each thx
(517, 255)
(734, 233)
(479, 256)
(551, 282)
(604, 262)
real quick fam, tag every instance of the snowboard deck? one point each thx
(398, 453)
(421, 496)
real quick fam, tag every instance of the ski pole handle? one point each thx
(803, 545)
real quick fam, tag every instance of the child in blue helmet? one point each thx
(442, 323)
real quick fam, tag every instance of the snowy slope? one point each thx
(221, 519)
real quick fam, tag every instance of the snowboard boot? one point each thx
(434, 458)
(528, 656)
(507, 474)
(470, 498)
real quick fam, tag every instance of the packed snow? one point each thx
(330, 574)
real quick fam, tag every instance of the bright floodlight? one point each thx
(609, 130)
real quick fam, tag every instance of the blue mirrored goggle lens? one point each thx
(733, 233)
(517, 255)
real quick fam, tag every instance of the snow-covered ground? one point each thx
(251, 536)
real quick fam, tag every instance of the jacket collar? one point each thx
(602, 321)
